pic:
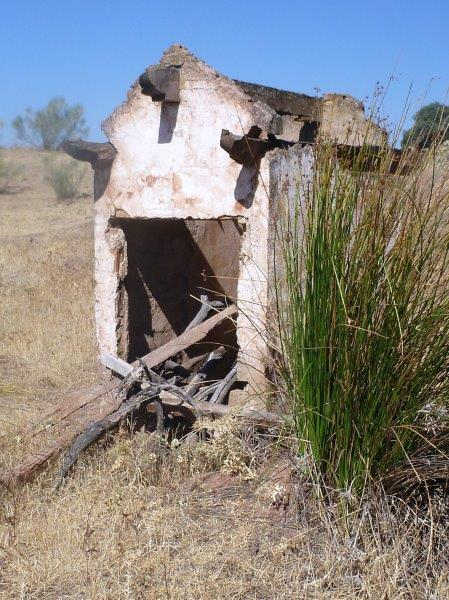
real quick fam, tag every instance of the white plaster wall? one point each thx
(186, 176)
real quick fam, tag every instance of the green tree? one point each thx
(49, 127)
(430, 122)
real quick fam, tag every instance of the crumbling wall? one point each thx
(343, 121)
(192, 157)
(339, 118)
(169, 165)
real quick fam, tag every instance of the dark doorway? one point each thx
(169, 261)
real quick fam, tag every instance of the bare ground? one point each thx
(233, 517)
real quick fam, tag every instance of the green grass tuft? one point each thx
(365, 328)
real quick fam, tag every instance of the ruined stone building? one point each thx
(185, 201)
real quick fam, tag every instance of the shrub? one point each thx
(430, 121)
(49, 127)
(64, 177)
(364, 324)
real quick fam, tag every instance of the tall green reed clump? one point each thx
(364, 314)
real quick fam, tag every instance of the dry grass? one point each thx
(135, 522)
(138, 520)
(46, 333)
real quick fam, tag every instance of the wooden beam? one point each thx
(161, 83)
(258, 417)
(188, 338)
(77, 410)
(248, 149)
(116, 364)
(91, 152)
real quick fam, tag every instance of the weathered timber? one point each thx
(163, 400)
(77, 400)
(224, 387)
(91, 152)
(190, 363)
(257, 417)
(243, 149)
(205, 370)
(78, 410)
(99, 428)
(188, 338)
(116, 364)
(206, 391)
(72, 402)
(206, 307)
(63, 427)
(161, 83)
(247, 150)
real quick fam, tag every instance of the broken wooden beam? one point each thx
(257, 417)
(91, 152)
(247, 150)
(161, 400)
(188, 338)
(161, 83)
(244, 149)
(116, 364)
(77, 401)
(98, 428)
(70, 418)
(206, 307)
(76, 411)
(224, 387)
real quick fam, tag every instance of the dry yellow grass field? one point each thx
(233, 517)
(46, 335)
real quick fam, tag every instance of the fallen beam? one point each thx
(257, 417)
(160, 402)
(206, 307)
(188, 338)
(67, 423)
(113, 363)
(77, 400)
(77, 410)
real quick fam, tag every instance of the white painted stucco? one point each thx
(169, 164)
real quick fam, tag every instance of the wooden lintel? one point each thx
(92, 152)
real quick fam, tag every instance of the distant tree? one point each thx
(430, 122)
(49, 127)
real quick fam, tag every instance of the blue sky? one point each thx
(91, 51)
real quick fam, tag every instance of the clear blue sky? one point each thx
(91, 51)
